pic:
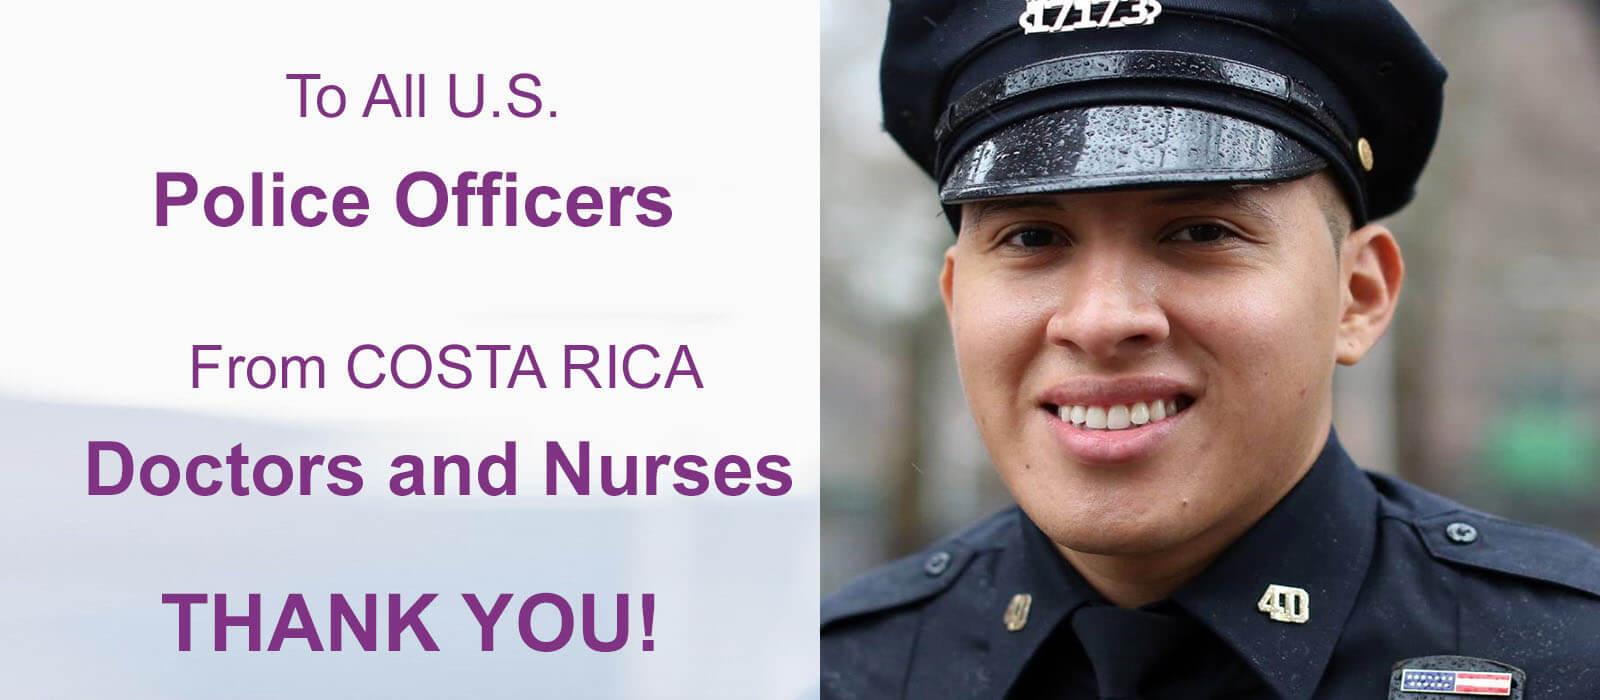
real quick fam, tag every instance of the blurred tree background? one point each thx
(1486, 389)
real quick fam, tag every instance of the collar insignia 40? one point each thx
(1286, 604)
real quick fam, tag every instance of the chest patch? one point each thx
(1451, 677)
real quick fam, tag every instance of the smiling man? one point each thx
(1165, 244)
(1152, 366)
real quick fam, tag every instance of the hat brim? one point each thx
(1123, 146)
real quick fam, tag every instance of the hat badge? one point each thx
(1050, 16)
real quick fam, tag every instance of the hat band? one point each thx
(1122, 65)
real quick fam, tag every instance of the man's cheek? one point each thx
(986, 339)
(1257, 332)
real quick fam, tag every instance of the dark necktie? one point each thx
(1128, 647)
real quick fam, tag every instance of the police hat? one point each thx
(1006, 97)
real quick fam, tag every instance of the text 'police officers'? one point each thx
(422, 199)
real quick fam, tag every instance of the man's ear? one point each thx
(947, 276)
(1370, 272)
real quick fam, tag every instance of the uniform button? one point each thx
(936, 564)
(1461, 533)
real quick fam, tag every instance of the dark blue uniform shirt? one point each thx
(1391, 572)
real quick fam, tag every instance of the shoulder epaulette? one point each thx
(916, 577)
(1477, 540)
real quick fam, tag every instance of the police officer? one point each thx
(1165, 243)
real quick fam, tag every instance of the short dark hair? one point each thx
(1335, 209)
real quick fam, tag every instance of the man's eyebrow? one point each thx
(1235, 197)
(990, 207)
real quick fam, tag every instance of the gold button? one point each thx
(1364, 151)
(1016, 616)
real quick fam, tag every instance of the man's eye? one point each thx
(1032, 238)
(1201, 233)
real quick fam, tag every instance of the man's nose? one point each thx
(1109, 308)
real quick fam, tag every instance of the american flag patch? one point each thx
(1416, 680)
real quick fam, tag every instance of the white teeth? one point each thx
(1118, 416)
(1139, 414)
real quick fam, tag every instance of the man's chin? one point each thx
(1117, 539)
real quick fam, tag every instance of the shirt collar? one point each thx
(1319, 538)
(1055, 591)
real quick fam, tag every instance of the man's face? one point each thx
(1082, 320)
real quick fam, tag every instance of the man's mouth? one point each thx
(1121, 416)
